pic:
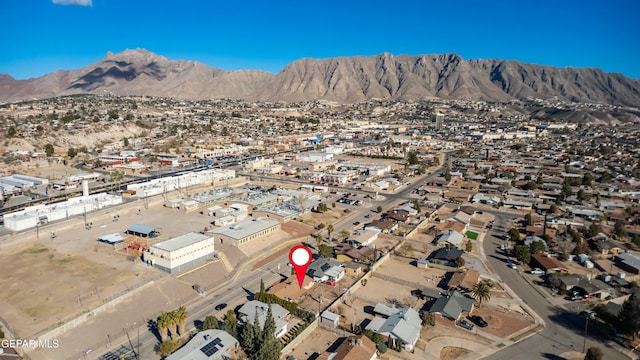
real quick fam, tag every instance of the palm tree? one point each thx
(481, 292)
(319, 240)
(330, 232)
(180, 317)
(163, 325)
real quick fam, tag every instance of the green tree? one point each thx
(345, 234)
(413, 158)
(248, 337)
(325, 251)
(447, 172)
(582, 195)
(318, 240)
(481, 292)
(514, 234)
(593, 353)
(629, 317)
(330, 232)
(180, 317)
(416, 205)
(11, 131)
(322, 207)
(261, 286)
(167, 347)
(125, 142)
(72, 152)
(270, 346)
(468, 247)
(587, 179)
(210, 322)
(460, 261)
(522, 253)
(553, 208)
(379, 209)
(537, 247)
(566, 189)
(49, 150)
(619, 230)
(230, 323)
(163, 323)
(529, 219)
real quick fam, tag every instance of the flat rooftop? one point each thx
(181, 241)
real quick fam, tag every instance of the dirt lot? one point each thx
(316, 344)
(452, 352)
(500, 323)
(45, 286)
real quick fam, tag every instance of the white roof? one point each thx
(181, 241)
(246, 227)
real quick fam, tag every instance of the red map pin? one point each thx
(300, 258)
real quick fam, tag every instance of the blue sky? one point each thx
(44, 35)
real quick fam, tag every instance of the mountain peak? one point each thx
(142, 56)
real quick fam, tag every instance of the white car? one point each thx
(537, 271)
(512, 265)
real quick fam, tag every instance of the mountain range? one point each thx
(340, 79)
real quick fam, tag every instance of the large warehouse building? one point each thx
(180, 253)
(245, 231)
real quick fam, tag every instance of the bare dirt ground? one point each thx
(52, 280)
(452, 352)
(501, 324)
(316, 344)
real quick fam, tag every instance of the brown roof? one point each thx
(453, 225)
(383, 224)
(549, 263)
(465, 279)
(355, 348)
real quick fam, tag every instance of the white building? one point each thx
(180, 253)
(41, 214)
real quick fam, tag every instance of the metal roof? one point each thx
(141, 229)
(246, 227)
(181, 241)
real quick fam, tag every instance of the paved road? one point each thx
(246, 284)
(564, 330)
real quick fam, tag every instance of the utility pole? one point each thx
(586, 325)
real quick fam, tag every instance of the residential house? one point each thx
(549, 263)
(212, 344)
(450, 238)
(447, 255)
(326, 270)
(593, 287)
(463, 279)
(629, 262)
(385, 225)
(401, 216)
(249, 310)
(528, 240)
(397, 324)
(357, 347)
(452, 304)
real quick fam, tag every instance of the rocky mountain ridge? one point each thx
(341, 79)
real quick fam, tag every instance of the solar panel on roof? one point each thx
(212, 347)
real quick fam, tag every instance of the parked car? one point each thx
(575, 297)
(356, 223)
(512, 265)
(465, 324)
(537, 271)
(478, 320)
(588, 314)
(220, 306)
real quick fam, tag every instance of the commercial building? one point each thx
(181, 252)
(245, 231)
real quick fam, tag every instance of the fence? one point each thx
(301, 337)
